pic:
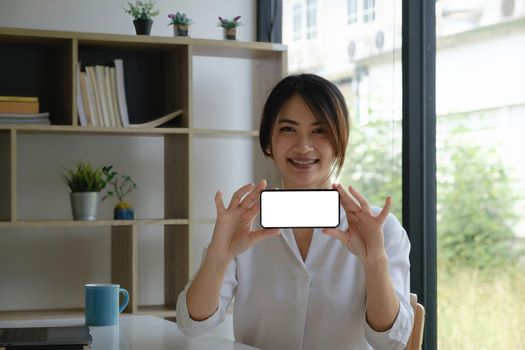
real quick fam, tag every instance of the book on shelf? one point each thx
(101, 86)
(159, 121)
(19, 107)
(18, 98)
(103, 95)
(109, 99)
(121, 92)
(90, 70)
(82, 118)
(114, 96)
(16, 118)
(87, 102)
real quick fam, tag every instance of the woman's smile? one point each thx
(303, 163)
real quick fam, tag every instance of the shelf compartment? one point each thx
(155, 77)
(41, 68)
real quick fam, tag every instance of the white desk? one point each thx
(137, 332)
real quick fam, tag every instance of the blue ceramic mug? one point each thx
(102, 304)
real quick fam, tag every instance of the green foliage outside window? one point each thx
(476, 203)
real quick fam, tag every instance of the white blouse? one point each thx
(284, 303)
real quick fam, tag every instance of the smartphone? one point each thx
(299, 208)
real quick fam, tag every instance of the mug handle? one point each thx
(126, 299)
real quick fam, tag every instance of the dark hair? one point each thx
(324, 99)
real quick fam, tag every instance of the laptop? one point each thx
(37, 338)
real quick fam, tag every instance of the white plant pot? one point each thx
(84, 205)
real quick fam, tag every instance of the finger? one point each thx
(362, 201)
(349, 203)
(262, 234)
(252, 197)
(386, 209)
(254, 210)
(237, 196)
(219, 204)
(343, 236)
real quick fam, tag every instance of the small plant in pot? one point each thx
(180, 23)
(230, 27)
(143, 13)
(85, 184)
(123, 210)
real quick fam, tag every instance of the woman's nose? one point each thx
(303, 144)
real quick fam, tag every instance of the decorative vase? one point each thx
(84, 205)
(143, 26)
(123, 213)
(230, 34)
(180, 30)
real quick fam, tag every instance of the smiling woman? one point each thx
(304, 288)
(302, 105)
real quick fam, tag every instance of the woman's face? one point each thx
(300, 147)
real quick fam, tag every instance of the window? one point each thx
(372, 89)
(369, 13)
(297, 22)
(311, 19)
(480, 111)
(352, 11)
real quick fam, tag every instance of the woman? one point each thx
(343, 288)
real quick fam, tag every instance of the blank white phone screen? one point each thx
(299, 208)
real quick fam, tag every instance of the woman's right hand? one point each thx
(233, 232)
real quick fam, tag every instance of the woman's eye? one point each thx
(320, 131)
(286, 129)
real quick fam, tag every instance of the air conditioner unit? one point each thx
(352, 49)
(381, 40)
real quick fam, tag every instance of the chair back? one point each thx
(415, 342)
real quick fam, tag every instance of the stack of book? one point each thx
(21, 110)
(101, 96)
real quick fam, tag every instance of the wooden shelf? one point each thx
(78, 223)
(225, 132)
(201, 47)
(158, 80)
(66, 129)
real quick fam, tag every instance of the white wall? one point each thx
(38, 266)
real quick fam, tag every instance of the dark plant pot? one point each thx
(143, 26)
(230, 34)
(180, 30)
(123, 214)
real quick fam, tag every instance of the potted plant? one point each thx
(123, 210)
(180, 23)
(142, 12)
(85, 183)
(230, 27)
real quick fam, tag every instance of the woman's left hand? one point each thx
(364, 236)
